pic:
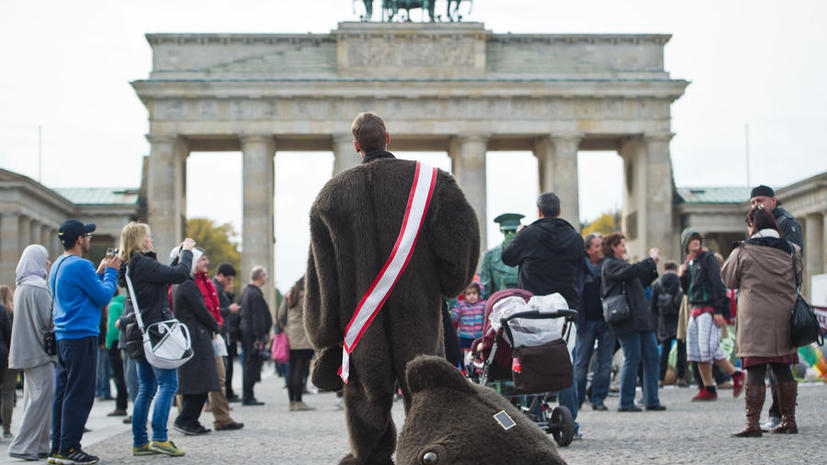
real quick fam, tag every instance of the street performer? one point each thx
(389, 238)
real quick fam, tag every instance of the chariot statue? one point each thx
(392, 10)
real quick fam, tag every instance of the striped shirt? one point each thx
(470, 318)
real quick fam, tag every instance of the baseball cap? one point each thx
(70, 230)
(762, 190)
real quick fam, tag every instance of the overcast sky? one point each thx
(67, 66)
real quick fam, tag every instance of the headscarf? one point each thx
(175, 253)
(31, 269)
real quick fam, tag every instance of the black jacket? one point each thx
(256, 320)
(702, 284)
(151, 281)
(5, 335)
(230, 327)
(550, 255)
(198, 375)
(621, 276)
(667, 289)
(790, 227)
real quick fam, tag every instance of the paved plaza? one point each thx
(687, 433)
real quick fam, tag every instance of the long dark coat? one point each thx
(619, 274)
(198, 375)
(354, 224)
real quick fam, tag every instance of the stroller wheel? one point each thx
(561, 426)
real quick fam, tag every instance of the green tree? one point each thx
(604, 224)
(217, 241)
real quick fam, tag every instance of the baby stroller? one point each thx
(523, 356)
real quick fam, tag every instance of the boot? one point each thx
(754, 401)
(787, 394)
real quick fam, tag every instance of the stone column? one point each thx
(166, 191)
(344, 153)
(34, 232)
(24, 232)
(10, 246)
(557, 163)
(813, 250)
(45, 239)
(467, 154)
(257, 230)
(55, 246)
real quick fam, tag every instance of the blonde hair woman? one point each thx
(33, 320)
(150, 281)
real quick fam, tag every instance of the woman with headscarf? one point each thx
(33, 320)
(199, 375)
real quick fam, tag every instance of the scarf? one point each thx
(207, 288)
(766, 233)
(31, 269)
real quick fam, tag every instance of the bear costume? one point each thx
(354, 224)
(451, 421)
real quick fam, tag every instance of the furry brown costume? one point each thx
(354, 224)
(451, 422)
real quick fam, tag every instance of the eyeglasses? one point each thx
(89, 235)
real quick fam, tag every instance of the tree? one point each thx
(216, 240)
(604, 224)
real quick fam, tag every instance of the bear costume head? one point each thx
(453, 421)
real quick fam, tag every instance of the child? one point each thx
(469, 314)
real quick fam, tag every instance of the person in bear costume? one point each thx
(452, 422)
(354, 224)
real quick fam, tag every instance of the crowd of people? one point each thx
(68, 327)
(688, 307)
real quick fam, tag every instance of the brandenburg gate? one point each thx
(453, 87)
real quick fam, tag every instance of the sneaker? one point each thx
(73, 457)
(771, 423)
(166, 447)
(600, 407)
(683, 382)
(705, 395)
(737, 383)
(143, 450)
(190, 430)
(26, 457)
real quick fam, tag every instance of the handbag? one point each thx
(167, 344)
(281, 348)
(616, 308)
(542, 368)
(804, 328)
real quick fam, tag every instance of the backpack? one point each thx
(668, 304)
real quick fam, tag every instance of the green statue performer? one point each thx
(494, 274)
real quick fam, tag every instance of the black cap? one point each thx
(762, 190)
(70, 230)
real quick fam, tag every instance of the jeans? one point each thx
(130, 367)
(637, 346)
(587, 334)
(74, 391)
(150, 380)
(568, 398)
(103, 388)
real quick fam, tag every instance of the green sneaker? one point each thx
(166, 447)
(143, 450)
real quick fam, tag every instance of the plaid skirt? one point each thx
(703, 339)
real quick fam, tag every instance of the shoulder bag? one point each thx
(616, 308)
(167, 344)
(804, 328)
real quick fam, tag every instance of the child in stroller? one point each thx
(523, 356)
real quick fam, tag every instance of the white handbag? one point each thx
(167, 343)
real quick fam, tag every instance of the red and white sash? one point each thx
(420, 197)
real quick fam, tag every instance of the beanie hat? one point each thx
(687, 235)
(762, 190)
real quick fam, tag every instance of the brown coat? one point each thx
(291, 317)
(765, 281)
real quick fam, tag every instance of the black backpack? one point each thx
(669, 304)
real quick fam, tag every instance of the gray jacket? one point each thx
(32, 320)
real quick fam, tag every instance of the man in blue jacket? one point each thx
(79, 293)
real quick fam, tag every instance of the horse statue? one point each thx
(452, 9)
(368, 9)
(390, 8)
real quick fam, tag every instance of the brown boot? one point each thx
(754, 400)
(787, 394)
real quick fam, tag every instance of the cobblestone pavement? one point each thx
(687, 433)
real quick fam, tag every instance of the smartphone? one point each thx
(111, 252)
